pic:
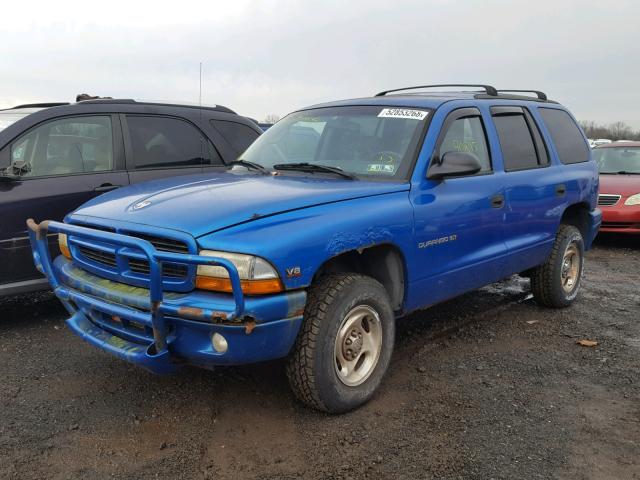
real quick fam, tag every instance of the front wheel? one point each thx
(345, 343)
(556, 282)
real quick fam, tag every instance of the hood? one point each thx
(617, 184)
(201, 204)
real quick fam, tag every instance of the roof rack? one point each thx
(487, 88)
(539, 94)
(103, 101)
(40, 105)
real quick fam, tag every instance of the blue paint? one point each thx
(302, 221)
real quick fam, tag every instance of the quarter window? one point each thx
(570, 144)
(163, 142)
(516, 132)
(238, 135)
(62, 147)
(467, 135)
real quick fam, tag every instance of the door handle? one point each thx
(105, 187)
(497, 201)
(561, 189)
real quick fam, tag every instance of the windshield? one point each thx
(618, 159)
(370, 141)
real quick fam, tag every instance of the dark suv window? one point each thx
(566, 136)
(160, 142)
(238, 135)
(64, 146)
(520, 141)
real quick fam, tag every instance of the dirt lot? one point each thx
(486, 386)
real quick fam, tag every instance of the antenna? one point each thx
(202, 140)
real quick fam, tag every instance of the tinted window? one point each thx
(518, 149)
(160, 142)
(569, 142)
(467, 135)
(62, 147)
(238, 135)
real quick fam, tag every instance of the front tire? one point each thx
(344, 346)
(556, 282)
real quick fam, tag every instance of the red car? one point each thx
(619, 198)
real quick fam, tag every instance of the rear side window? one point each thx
(520, 141)
(163, 142)
(570, 144)
(238, 135)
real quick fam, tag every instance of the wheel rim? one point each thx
(358, 345)
(570, 274)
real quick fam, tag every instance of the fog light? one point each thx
(219, 343)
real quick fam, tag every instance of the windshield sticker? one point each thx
(403, 113)
(381, 168)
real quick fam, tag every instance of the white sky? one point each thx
(273, 56)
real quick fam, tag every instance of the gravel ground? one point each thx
(486, 386)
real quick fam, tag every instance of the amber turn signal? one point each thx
(249, 287)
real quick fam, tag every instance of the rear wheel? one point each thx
(345, 343)
(556, 282)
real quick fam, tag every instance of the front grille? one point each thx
(606, 200)
(98, 256)
(172, 270)
(169, 270)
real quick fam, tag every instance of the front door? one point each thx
(59, 165)
(459, 221)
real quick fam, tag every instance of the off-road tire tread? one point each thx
(300, 363)
(542, 276)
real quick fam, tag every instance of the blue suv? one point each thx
(339, 219)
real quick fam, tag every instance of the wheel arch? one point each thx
(384, 262)
(577, 215)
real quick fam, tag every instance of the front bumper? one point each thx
(160, 330)
(621, 219)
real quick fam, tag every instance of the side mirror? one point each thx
(453, 164)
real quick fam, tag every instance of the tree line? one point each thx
(614, 131)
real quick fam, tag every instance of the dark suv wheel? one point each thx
(556, 282)
(345, 344)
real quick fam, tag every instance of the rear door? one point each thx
(162, 146)
(535, 189)
(60, 164)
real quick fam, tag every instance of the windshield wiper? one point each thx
(313, 167)
(250, 165)
(620, 172)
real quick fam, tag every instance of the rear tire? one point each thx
(345, 343)
(556, 282)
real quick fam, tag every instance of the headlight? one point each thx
(64, 246)
(633, 200)
(257, 276)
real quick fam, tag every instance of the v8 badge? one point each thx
(293, 272)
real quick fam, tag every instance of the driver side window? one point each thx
(467, 135)
(63, 147)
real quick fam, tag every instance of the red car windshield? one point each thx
(621, 160)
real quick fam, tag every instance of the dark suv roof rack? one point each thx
(103, 101)
(40, 105)
(487, 88)
(539, 94)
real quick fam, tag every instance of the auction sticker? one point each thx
(403, 113)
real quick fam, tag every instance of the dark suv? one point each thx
(56, 156)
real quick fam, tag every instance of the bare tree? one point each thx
(271, 118)
(614, 131)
